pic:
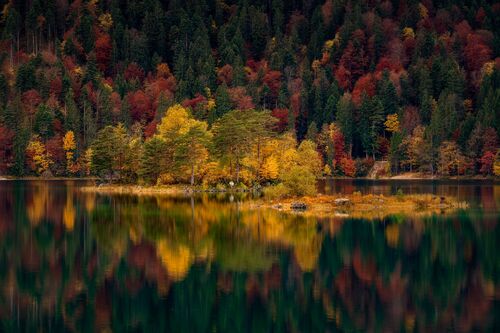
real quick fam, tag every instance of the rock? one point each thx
(47, 174)
(278, 206)
(298, 206)
(342, 202)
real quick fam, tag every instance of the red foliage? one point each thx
(480, 15)
(193, 102)
(240, 98)
(348, 166)
(487, 161)
(225, 75)
(116, 101)
(150, 129)
(339, 147)
(54, 147)
(490, 140)
(354, 58)
(273, 81)
(282, 116)
(327, 11)
(295, 103)
(365, 84)
(140, 106)
(160, 86)
(386, 64)
(463, 30)
(411, 119)
(6, 140)
(31, 99)
(134, 72)
(343, 77)
(56, 86)
(383, 145)
(103, 51)
(476, 52)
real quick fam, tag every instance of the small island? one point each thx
(368, 206)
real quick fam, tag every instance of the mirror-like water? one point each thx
(74, 261)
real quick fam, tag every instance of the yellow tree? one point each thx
(69, 146)
(187, 140)
(392, 123)
(191, 148)
(40, 158)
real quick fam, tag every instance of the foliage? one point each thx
(378, 70)
(40, 159)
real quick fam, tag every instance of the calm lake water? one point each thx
(73, 261)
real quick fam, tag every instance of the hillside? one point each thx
(215, 90)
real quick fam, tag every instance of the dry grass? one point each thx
(371, 206)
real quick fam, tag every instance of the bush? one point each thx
(363, 166)
(276, 192)
(300, 181)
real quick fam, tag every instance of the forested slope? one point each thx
(416, 83)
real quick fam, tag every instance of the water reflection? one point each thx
(73, 261)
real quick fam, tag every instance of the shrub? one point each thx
(277, 191)
(300, 181)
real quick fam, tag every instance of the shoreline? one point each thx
(369, 206)
(355, 205)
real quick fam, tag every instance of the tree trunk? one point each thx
(192, 174)
(237, 171)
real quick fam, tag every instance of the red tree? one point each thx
(282, 116)
(476, 52)
(103, 51)
(365, 84)
(6, 140)
(487, 161)
(240, 98)
(140, 106)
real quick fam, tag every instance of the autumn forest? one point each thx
(255, 92)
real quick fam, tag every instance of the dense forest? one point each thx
(209, 91)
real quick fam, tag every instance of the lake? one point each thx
(74, 261)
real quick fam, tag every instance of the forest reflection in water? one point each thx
(84, 262)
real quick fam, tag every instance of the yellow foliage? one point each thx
(408, 33)
(327, 171)
(468, 105)
(87, 163)
(37, 207)
(5, 11)
(270, 168)
(211, 104)
(309, 157)
(392, 123)
(78, 71)
(165, 178)
(329, 44)
(106, 21)
(423, 11)
(162, 69)
(496, 166)
(40, 156)
(69, 141)
(488, 68)
(176, 122)
(176, 260)
(392, 235)
(289, 158)
(69, 214)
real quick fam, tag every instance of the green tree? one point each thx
(192, 148)
(152, 162)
